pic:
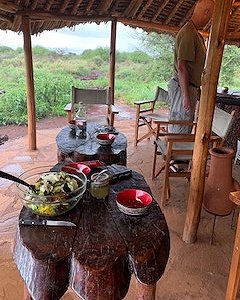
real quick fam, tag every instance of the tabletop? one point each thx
(228, 99)
(96, 258)
(81, 149)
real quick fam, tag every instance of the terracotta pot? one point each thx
(219, 182)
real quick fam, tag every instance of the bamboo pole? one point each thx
(112, 60)
(30, 84)
(207, 102)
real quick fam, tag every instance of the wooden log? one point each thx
(95, 258)
(234, 274)
(207, 102)
(112, 61)
(30, 84)
(80, 149)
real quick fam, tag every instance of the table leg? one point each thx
(26, 295)
(145, 291)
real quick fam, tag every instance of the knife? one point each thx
(45, 223)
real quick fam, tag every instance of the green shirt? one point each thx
(189, 46)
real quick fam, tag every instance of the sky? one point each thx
(82, 37)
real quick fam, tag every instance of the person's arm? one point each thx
(183, 75)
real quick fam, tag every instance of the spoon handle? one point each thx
(13, 178)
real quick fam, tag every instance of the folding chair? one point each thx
(145, 114)
(179, 147)
(92, 97)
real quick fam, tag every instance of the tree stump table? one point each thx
(80, 149)
(97, 257)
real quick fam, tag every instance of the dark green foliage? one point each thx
(230, 68)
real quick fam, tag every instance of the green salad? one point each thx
(57, 187)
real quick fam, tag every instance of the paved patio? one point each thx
(198, 271)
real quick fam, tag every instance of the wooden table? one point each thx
(97, 257)
(80, 149)
(228, 99)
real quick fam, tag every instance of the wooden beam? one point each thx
(6, 18)
(40, 16)
(115, 5)
(89, 6)
(173, 12)
(17, 23)
(9, 7)
(131, 6)
(233, 35)
(234, 274)
(48, 5)
(30, 83)
(34, 4)
(159, 10)
(112, 60)
(104, 5)
(187, 16)
(146, 6)
(76, 6)
(236, 4)
(64, 6)
(220, 22)
(148, 25)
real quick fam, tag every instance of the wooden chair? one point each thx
(179, 148)
(145, 115)
(92, 97)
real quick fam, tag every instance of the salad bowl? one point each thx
(54, 193)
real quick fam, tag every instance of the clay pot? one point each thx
(219, 182)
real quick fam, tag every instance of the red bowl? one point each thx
(74, 167)
(133, 201)
(105, 138)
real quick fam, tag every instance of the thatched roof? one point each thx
(151, 15)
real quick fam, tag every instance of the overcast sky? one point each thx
(86, 36)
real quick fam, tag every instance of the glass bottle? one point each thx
(81, 121)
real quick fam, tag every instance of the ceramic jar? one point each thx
(219, 182)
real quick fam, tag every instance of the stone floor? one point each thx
(197, 271)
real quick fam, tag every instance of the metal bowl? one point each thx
(133, 202)
(55, 200)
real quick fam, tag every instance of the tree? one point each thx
(160, 47)
(230, 66)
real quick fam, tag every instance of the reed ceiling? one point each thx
(150, 15)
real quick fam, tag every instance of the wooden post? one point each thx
(207, 102)
(234, 275)
(30, 84)
(112, 60)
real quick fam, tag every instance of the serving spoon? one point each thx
(16, 179)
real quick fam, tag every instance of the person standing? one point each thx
(189, 60)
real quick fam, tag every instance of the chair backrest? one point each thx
(90, 96)
(222, 122)
(161, 95)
